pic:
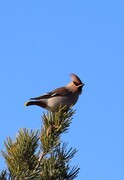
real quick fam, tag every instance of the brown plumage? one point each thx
(63, 96)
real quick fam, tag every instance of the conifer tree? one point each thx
(41, 154)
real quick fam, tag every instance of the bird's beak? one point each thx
(81, 85)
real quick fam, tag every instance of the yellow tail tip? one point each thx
(26, 104)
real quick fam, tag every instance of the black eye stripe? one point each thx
(75, 83)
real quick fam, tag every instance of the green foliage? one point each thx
(56, 165)
(3, 175)
(20, 155)
(54, 124)
(41, 154)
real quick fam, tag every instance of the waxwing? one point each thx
(63, 96)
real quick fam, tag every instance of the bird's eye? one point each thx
(76, 84)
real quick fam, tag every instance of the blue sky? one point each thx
(41, 42)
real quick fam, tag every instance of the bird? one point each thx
(63, 96)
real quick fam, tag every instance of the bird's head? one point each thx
(77, 82)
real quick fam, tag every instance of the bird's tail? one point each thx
(37, 103)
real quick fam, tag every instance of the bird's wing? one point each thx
(62, 91)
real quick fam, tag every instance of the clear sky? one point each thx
(41, 43)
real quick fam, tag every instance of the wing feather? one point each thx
(62, 91)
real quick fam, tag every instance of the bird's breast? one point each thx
(62, 100)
